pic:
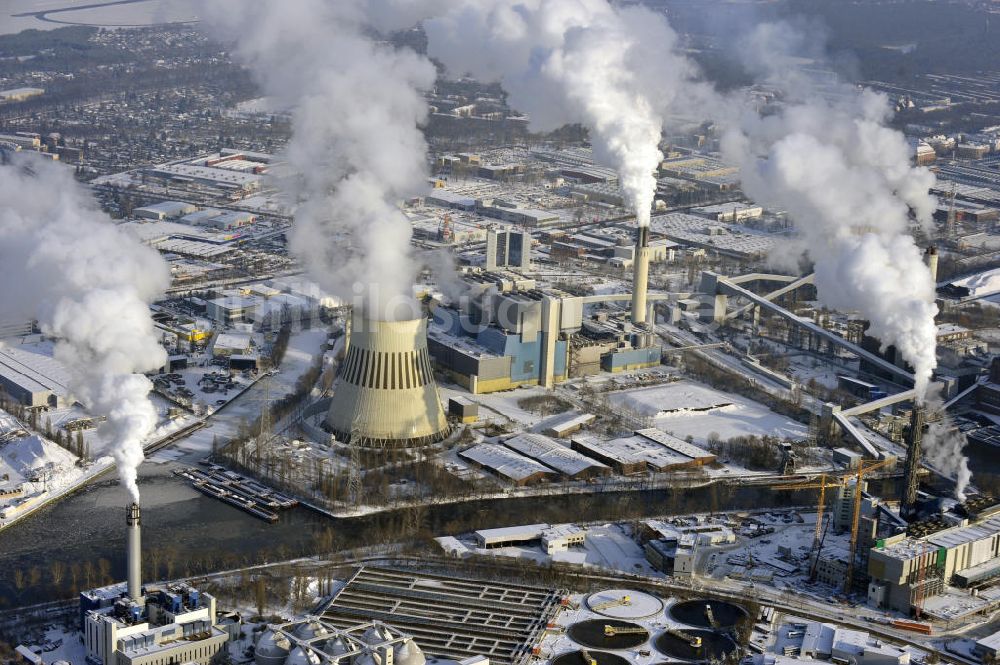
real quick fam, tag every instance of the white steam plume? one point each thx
(943, 445)
(612, 69)
(89, 286)
(356, 150)
(846, 180)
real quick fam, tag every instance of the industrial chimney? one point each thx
(386, 396)
(640, 276)
(132, 521)
(931, 259)
(908, 505)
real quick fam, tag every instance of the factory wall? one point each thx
(630, 359)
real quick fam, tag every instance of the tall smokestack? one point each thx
(640, 275)
(132, 520)
(931, 258)
(912, 480)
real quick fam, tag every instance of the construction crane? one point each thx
(825, 481)
(612, 631)
(864, 468)
(614, 602)
(693, 640)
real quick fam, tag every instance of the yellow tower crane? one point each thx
(822, 483)
(828, 480)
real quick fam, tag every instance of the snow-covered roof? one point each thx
(505, 461)
(548, 452)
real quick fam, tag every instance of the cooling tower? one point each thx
(386, 395)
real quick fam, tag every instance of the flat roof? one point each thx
(505, 461)
(966, 534)
(632, 450)
(511, 533)
(34, 372)
(673, 443)
(559, 457)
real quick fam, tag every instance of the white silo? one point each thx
(386, 395)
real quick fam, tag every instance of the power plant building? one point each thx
(508, 336)
(132, 624)
(508, 249)
(905, 570)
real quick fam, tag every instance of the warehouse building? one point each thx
(165, 210)
(504, 462)
(33, 379)
(566, 461)
(632, 454)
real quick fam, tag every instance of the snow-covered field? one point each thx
(687, 408)
(983, 284)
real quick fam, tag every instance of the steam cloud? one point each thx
(356, 148)
(846, 181)
(942, 446)
(89, 286)
(612, 69)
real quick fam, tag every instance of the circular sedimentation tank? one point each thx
(595, 633)
(624, 604)
(696, 613)
(678, 645)
(578, 658)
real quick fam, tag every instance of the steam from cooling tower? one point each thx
(846, 181)
(612, 69)
(89, 286)
(356, 150)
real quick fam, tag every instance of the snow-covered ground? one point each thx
(982, 284)
(687, 408)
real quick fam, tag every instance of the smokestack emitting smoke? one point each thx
(612, 69)
(640, 275)
(89, 286)
(356, 149)
(133, 523)
(931, 258)
(846, 181)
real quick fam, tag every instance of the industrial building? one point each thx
(386, 395)
(518, 469)
(646, 450)
(165, 210)
(510, 334)
(906, 570)
(450, 617)
(33, 379)
(20, 94)
(507, 249)
(135, 624)
(568, 462)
